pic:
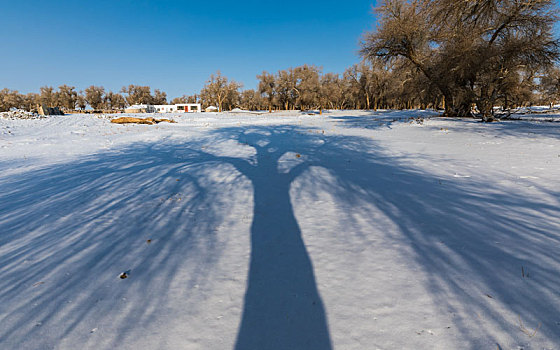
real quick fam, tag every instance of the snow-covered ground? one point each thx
(347, 230)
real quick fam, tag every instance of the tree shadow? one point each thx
(69, 230)
(380, 119)
(282, 306)
(455, 228)
(76, 226)
(526, 128)
(472, 238)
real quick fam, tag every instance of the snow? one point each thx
(346, 230)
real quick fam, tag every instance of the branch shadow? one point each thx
(472, 239)
(527, 128)
(458, 230)
(69, 230)
(380, 119)
(62, 224)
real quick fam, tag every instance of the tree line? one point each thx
(69, 99)
(463, 57)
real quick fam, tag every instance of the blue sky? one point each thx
(173, 45)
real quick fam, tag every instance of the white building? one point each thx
(165, 108)
(181, 107)
(140, 108)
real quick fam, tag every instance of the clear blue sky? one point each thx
(172, 45)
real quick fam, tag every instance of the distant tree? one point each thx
(549, 87)
(47, 97)
(137, 94)
(67, 96)
(252, 100)
(518, 89)
(81, 102)
(178, 100)
(10, 99)
(332, 92)
(363, 80)
(267, 88)
(94, 96)
(159, 98)
(307, 86)
(186, 99)
(286, 88)
(221, 92)
(30, 101)
(114, 101)
(193, 98)
(233, 95)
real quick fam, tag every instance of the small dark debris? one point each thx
(149, 241)
(489, 296)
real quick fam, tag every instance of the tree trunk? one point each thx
(485, 108)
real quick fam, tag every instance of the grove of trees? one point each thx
(67, 98)
(465, 57)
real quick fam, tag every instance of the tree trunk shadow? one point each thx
(282, 306)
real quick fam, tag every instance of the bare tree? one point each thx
(114, 101)
(10, 99)
(252, 100)
(67, 96)
(94, 96)
(47, 97)
(466, 49)
(137, 94)
(286, 88)
(220, 91)
(81, 102)
(308, 86)
(159, 98)
(550, 86)
(186, 99)
(267, 87)
(30, 101)
(177, 100)
(332, 91)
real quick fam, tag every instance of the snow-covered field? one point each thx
(347, 230)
